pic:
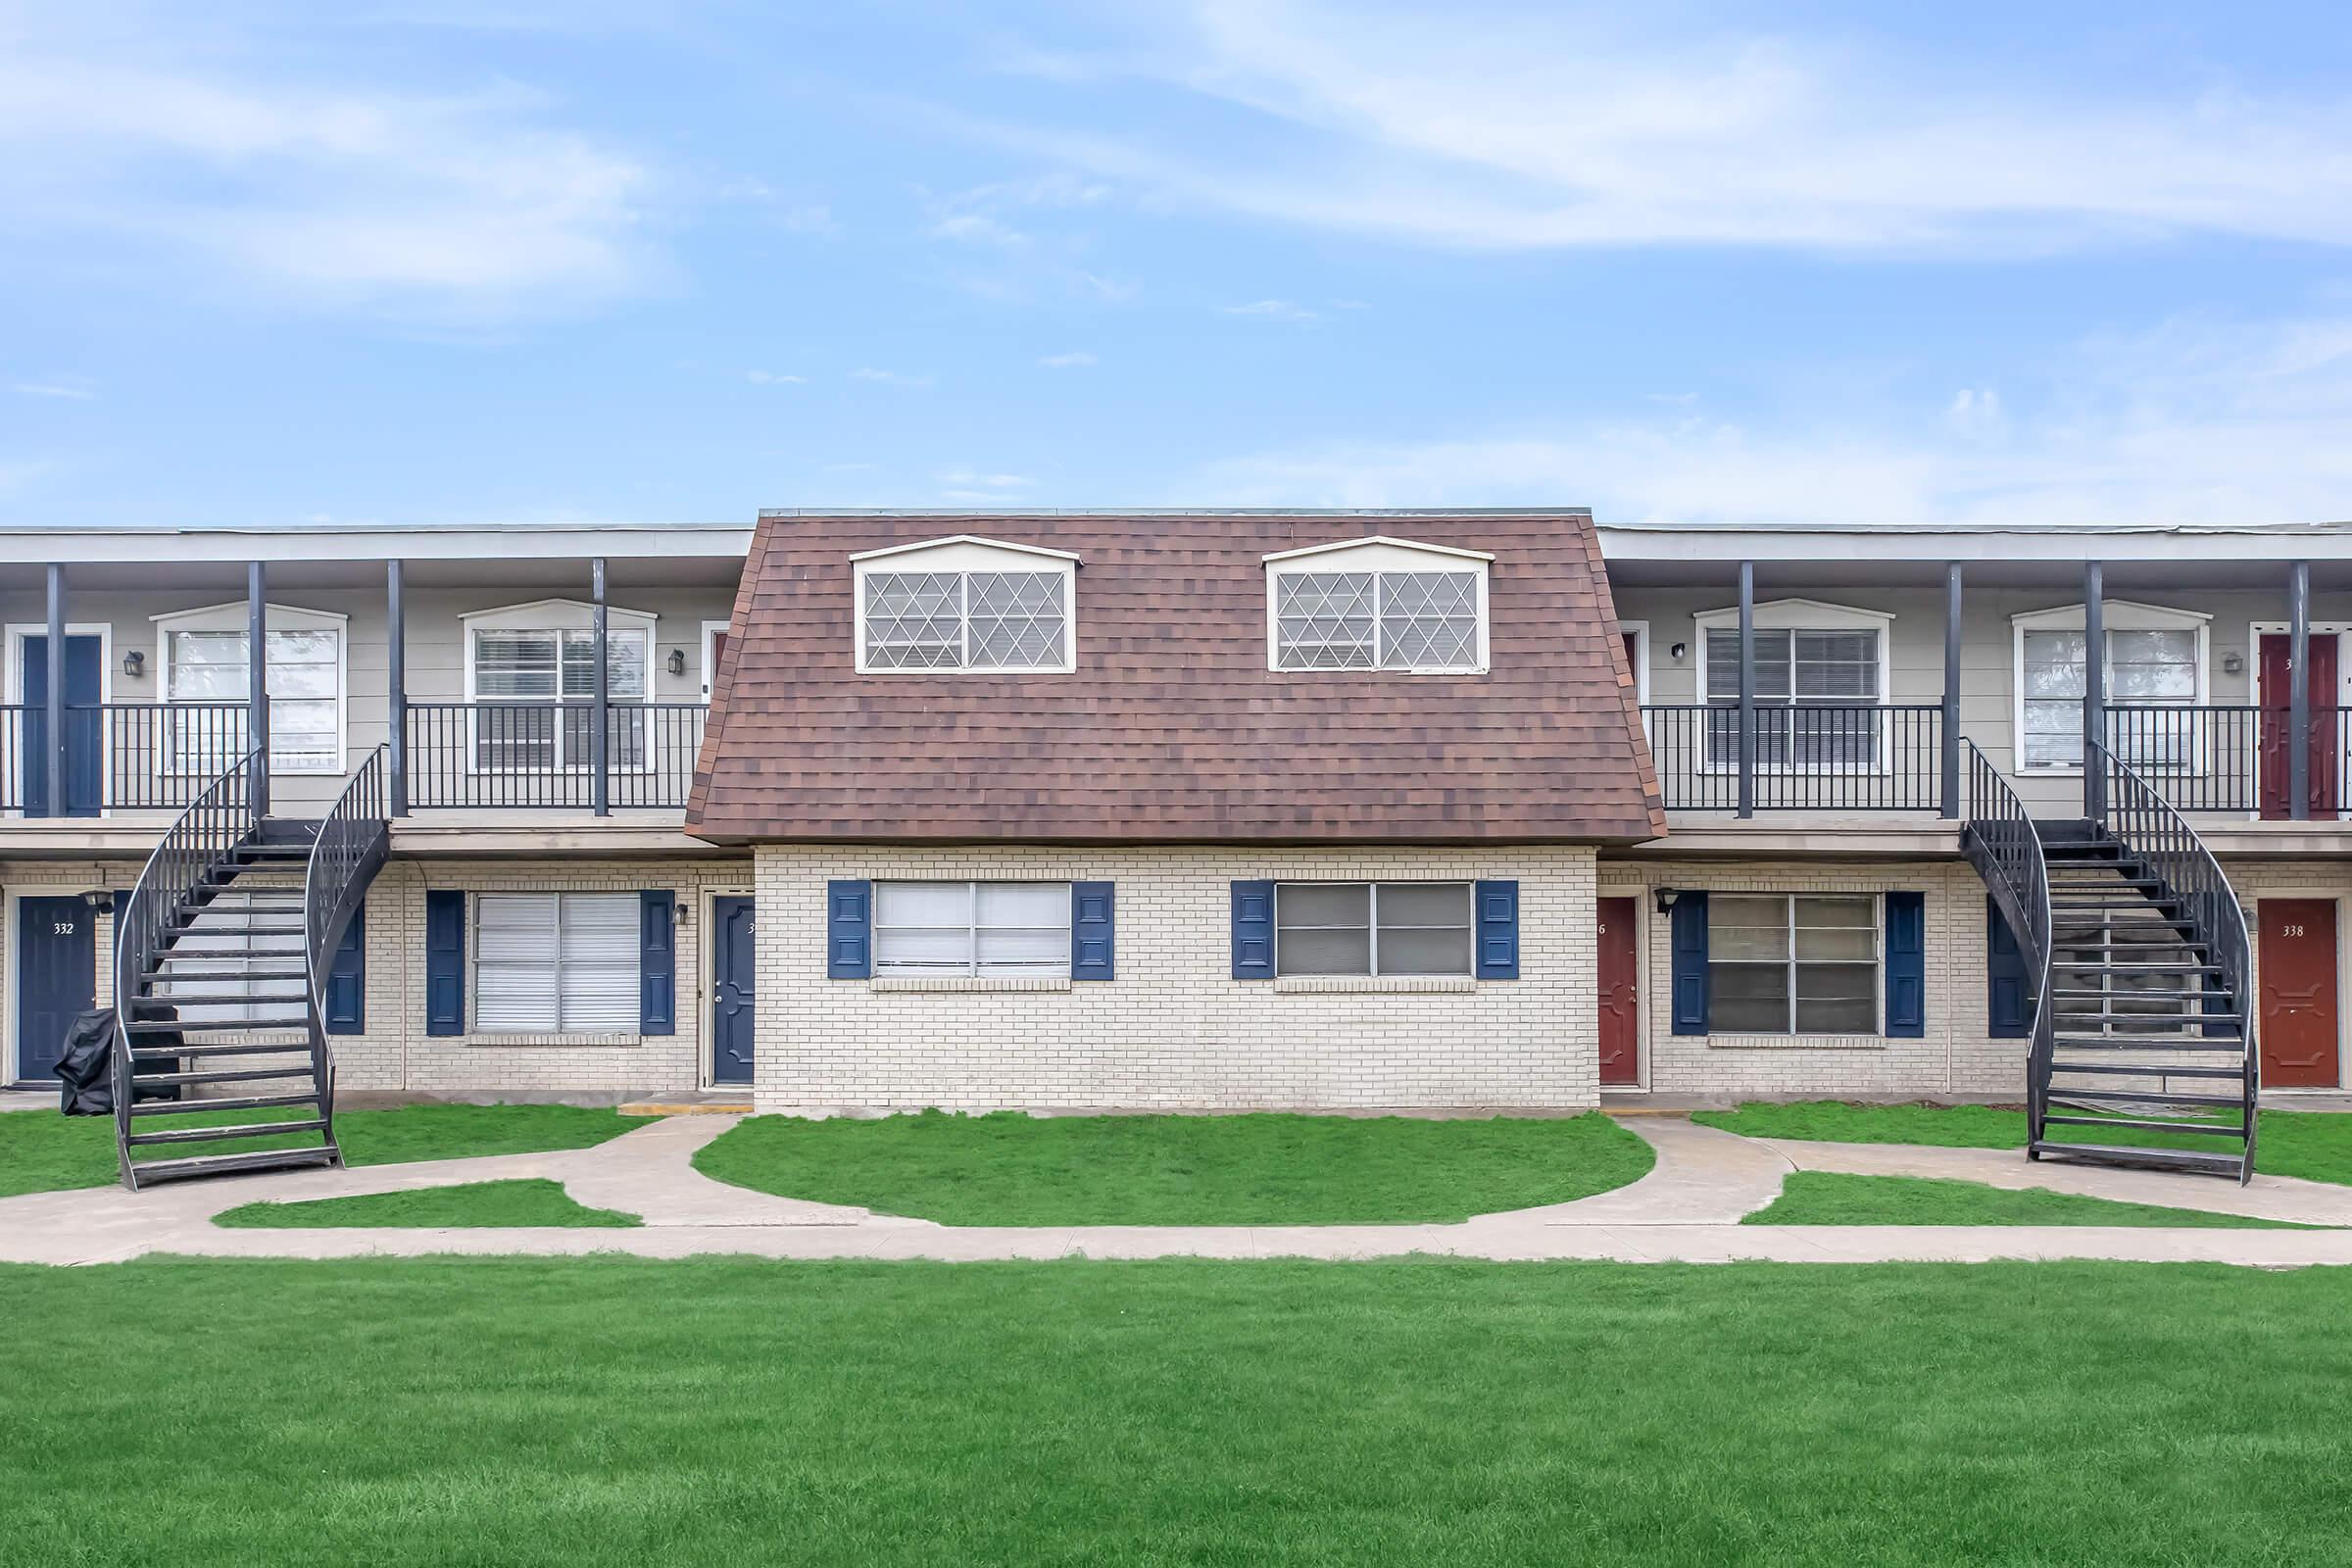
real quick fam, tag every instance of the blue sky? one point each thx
(442, 261)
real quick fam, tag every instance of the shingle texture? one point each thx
(1172, 728)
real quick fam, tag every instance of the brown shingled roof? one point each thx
(1172, 729)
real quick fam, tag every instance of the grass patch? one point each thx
(1012, 1170)
(546, 1414)
(1835, 1197)
(42, 1152)
(535, 1200)
(2314, 1145)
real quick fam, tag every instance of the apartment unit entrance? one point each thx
(733, 1007)
(2298, 965)
(1620, 994)
(57, 977)
(2275, 693)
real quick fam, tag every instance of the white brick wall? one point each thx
(1174, 1030)
(1953, 1057)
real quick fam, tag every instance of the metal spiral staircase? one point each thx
(2143, 1022)
(234, 908)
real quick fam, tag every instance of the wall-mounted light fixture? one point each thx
(1666, 900)
(134, 663)
(677, 660)
(2233, 663)
(99, 901)
(1678, 651)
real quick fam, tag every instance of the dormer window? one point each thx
(965, 603)
(1378, 604)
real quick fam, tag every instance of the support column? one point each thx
(53, 698)
(1747, 687)
(599, 733)
(256, 682)
(2298, 686)
(396, 636)
(2095, 691)
(1951, 808)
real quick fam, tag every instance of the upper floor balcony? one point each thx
(1818, 677)
(516, 678)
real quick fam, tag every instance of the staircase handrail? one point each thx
(223, 815)
(2138, 817)
(343, 860)
(2006, 846)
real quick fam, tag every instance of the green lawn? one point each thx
(2315, 1145)
(531, 1201)
(41, 1152)
(1012, 1170)
(554, 1413)
(1832, 1197)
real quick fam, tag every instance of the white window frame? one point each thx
(473, 967)
(233, 617)
(972, 928)
(1793, 615)
(963, 556)
(2116, 614)
(1878, 964)
(1376, 555)
(551, 615)
(1469, 888)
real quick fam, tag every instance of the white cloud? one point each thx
(1272, 311)
(312, 186)
(1546, 127)
(2193, 421)
(1110, 290)
(977, 228)
(1076, 360)
(771, 378)
(867, 372)
(966, 479)
(78, 391)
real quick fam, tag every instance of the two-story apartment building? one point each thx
(1296, 808)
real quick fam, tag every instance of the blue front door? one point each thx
(732, 992)
(82, 715)
(57, 977)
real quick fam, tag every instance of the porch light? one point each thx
(1678, 651)
(134, 663)
(99, 901)
(1666, 900)
(677, 660)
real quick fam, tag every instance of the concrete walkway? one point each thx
(1685, 1210)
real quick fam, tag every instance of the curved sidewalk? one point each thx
(1687, 1209)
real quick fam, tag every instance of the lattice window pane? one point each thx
(1018, 620)
(1324, 620)
(1429, 619)
(913, 621)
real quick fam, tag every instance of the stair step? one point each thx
(152, 1080)
(241, 1129)
(165, 1171)
(2195, 1019)
(2166, 1158)
(181, 1108)
(296, 1021)
(161, 975)
(2133, 1097)
(177, 1052)
(2235, 1046)
(2149, 1124)
(2107, 884)
(2134, 1069)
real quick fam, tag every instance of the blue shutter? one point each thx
(1497, 930)
(1253, 930)
(1690, 952)
(1092, 944)
(444, 962)
(848, 930)
(2008, 989)
(1907, 964)
(657, 962)
(347, 979)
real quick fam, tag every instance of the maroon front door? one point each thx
(1620, 995)
(2276, 694)
(2298, 993)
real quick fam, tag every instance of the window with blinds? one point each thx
(556, 963)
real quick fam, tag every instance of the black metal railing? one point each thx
(1849, 756)
(223, 816)
(354, 838)
(2156, 834)
(542, 755)
(118, 756)
(2003, 844)
(2208, 759)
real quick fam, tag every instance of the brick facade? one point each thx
(1173, 1030)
